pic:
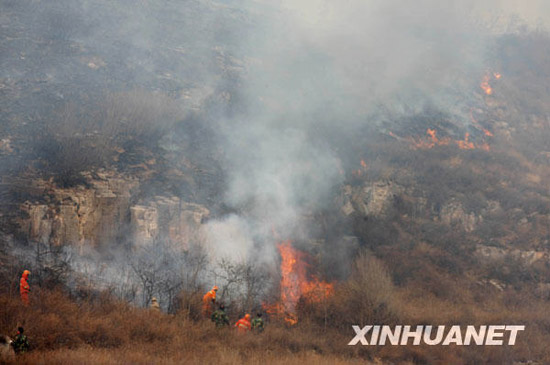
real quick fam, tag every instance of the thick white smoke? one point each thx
(315, 62)
(301, 70)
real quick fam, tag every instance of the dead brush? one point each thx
(66, 330)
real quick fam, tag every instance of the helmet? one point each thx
(247, 316)
(215, 288)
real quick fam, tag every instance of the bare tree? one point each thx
(242, 283)
(157, 268)
(51, 264)
(195, 260)
(193, 266)
(255, 281)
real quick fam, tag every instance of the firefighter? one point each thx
(24, 288)
(20, 344)
(220, 318)
(243, 324)
(155, 305)
(258, 323)
(208, 302)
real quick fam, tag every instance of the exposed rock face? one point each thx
(493, 254)
(453, 214)
(144, 220)
(80, 215)
(372, 199)
(378, 199)
(105, 213)
(5, 146)
(167, 218)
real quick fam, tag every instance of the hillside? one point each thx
(314, 172)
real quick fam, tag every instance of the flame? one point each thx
(295, 284)
(485, 85)
(464, 144)
(362, 170)
(433, 140)
(485, 82)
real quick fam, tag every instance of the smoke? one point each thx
(286, 82)
(231, 238)
(319, 70)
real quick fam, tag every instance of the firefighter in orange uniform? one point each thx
(208, 302)
(243, 324)
(24, 288)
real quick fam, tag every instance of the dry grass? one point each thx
(112, 332)
(107, 331)
(481, 306)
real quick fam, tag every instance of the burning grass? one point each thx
(432, 141)
(295, 285)
(104, 330)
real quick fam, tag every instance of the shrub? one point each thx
(367, 297)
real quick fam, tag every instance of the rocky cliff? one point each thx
(106, 211)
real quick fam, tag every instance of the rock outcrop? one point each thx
(105, 212)
(453, 214)
(379, 198)
(497, 254)
(79, 215)
(372, 199)
(169, 219)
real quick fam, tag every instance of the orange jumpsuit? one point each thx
(208, 302)
(24, 288)
(243, 325)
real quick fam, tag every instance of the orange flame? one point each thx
(465, 144)
(485, 85)
(361, 171)
(485, 82)
(433, 141)
(295, 285)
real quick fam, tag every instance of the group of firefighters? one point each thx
(220, 318)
